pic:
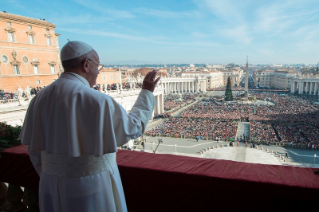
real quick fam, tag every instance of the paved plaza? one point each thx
(190, 147)
(243, 154)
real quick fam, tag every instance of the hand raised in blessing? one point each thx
(149, 82)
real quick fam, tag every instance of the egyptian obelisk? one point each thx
(246, 80)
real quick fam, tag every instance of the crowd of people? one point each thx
(115, 86)
(261, 132)
(285, 109)
(302, 134)
(234, 88)
(6, 95)
(287, 119)
(172, 101)
(194, 128)
(10, 95)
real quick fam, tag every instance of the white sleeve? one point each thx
(35, 158)
(132, 125)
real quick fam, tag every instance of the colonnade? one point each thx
(159, 106)
(184, 86)
(305, 87)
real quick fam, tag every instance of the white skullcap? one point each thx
(74, 49)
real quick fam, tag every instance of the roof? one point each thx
(109, 70)
(19, 18)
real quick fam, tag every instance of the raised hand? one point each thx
(149, 81)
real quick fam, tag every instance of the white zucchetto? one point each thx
(74, 49)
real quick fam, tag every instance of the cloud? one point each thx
(239, 34)
(168, 14)
(281, 16)
(199, 35)
(80, 19)
(102, 8)
(226, 9)
(150, 39)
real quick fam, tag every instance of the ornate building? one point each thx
(29, 52)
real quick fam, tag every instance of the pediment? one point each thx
(30, 32)
(52, 63)
(15, 62)
(9, 29)
(35, 63)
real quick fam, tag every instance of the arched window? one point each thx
(10, 32)
(31, 39)
(35, 65)
(49, 42)
(31, 34)
(52, 66)
(15, 65)
(35, 69)
(16, 69)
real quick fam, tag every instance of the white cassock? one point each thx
(72, 132)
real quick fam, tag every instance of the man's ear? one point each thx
(85, 65)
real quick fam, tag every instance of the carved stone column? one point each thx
(311, 88)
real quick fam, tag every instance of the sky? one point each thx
(184, 31)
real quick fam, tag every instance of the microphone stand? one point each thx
(159, 141)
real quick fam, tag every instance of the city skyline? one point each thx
(173, 32)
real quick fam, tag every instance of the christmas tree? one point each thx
(228, 92)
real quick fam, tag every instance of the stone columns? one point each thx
(316, 88)
(197, 86)
(300, 88)
(311, 88)
(182, 87)
(193, 87)
(307, 87)
(158, 105)
(162, 103)
(204, 89)
(292, 89)
(189, 87)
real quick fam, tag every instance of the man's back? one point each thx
(75, 120)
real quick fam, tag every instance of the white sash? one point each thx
(66, 166)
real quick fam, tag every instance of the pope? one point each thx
(73, 131)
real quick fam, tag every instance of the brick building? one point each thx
(29, 52)
(109, 76)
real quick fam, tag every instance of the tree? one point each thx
(228, 92)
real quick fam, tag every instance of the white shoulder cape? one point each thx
(70, 118)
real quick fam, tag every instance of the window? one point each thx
(47, 29)
(10, 34)
(49, 43)
(111, 77)
(4, 59)
(38, 82)
(35, 69)
(31, 39)
(52, 69)
(29, 27)
(104, 77)
(16, 69)
(117, 76)
(9, 23)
